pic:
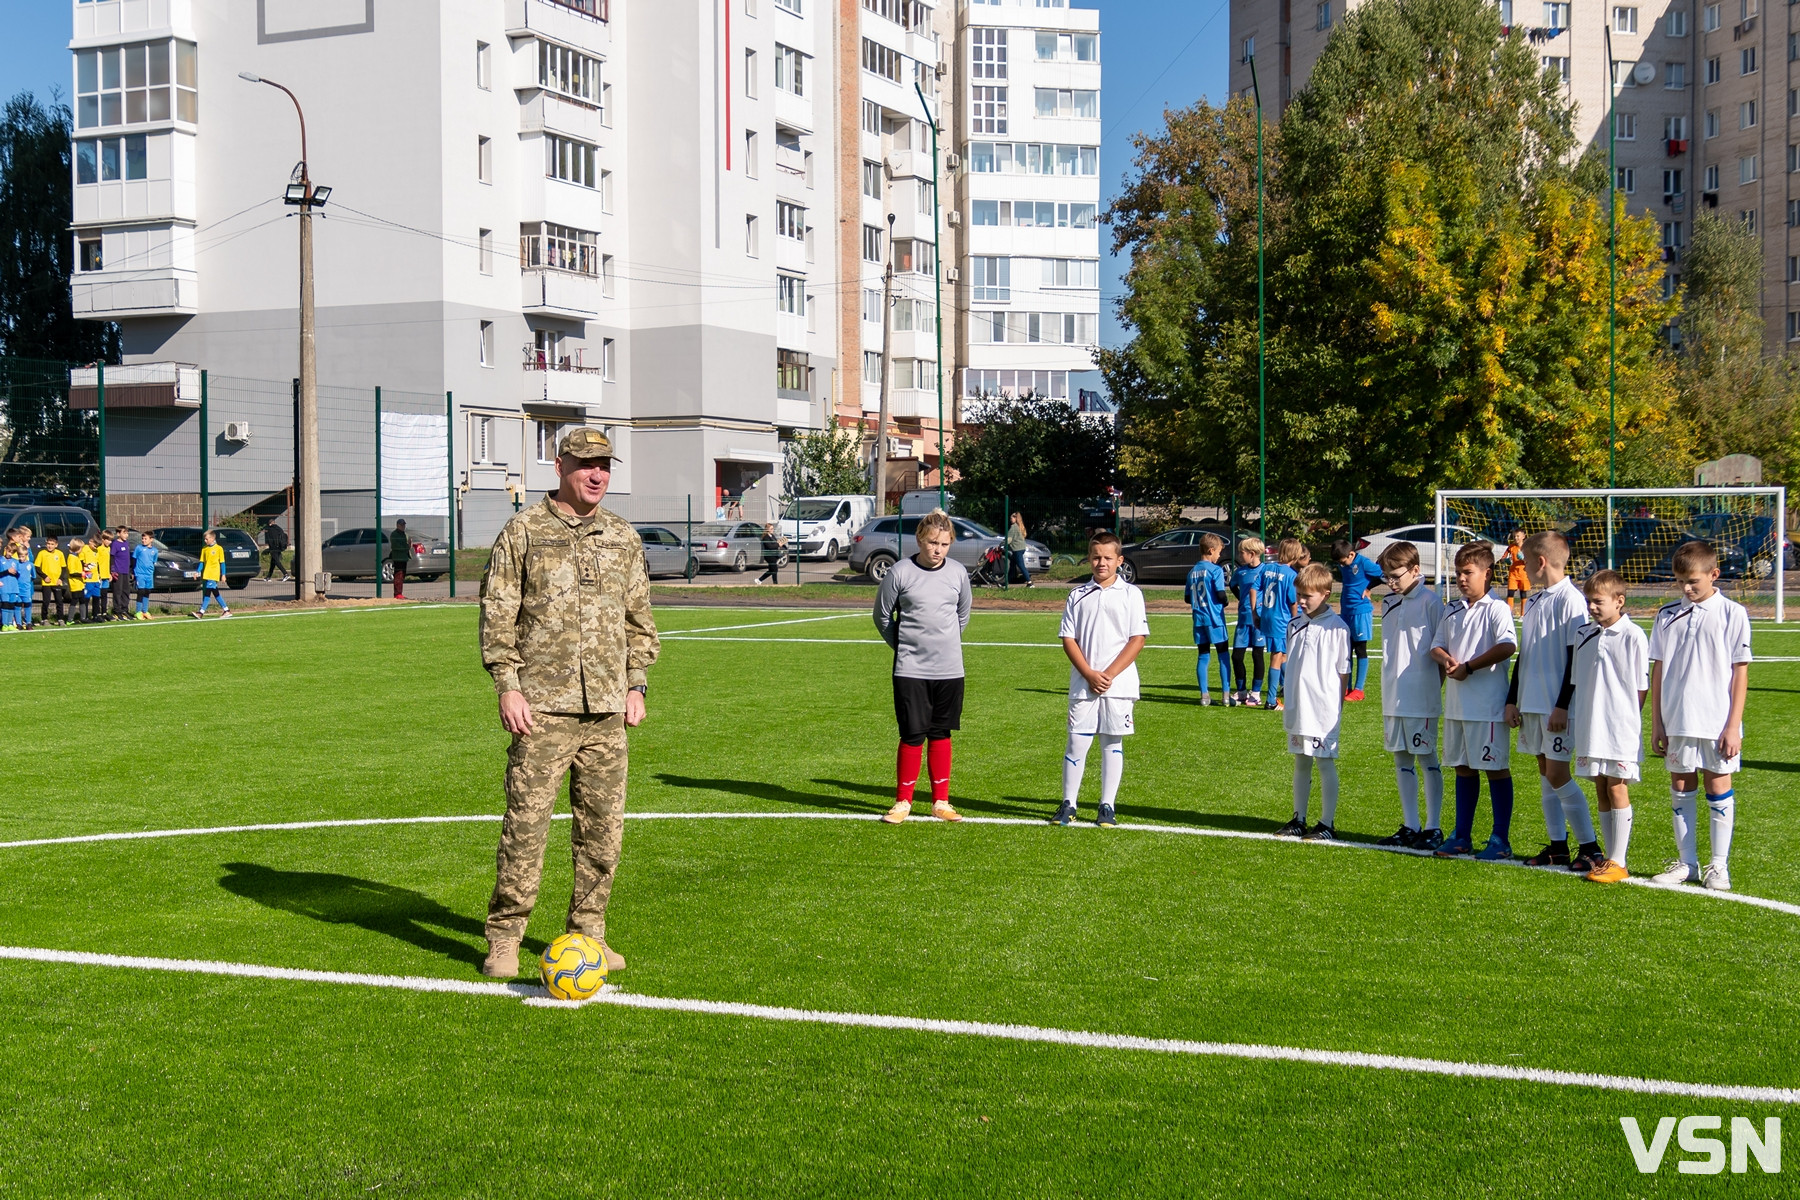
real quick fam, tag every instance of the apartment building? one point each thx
(556, 211)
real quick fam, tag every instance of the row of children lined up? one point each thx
(91, 581)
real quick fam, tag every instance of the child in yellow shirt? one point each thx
(50, 563)
(212, 574)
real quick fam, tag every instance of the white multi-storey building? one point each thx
(558, 211)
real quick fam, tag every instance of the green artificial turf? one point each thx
(117, 1082)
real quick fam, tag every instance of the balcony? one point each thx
(548, 112)
(108, 21)
(577, 22)
(115, 295)
(564, 381)
(567, 294)
(1677, 201)
(137, 385)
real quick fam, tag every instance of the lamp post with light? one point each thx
(303, 194)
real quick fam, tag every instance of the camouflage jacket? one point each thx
(565, 611)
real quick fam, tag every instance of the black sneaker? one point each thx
(1428, 839)
(1588, 859)
(1064, 815)
(1555, 854)
(1107, 816)
(1404, 837)
(1320, 833)
(1294, 828)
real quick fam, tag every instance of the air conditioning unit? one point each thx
(237, 431)
(951, 274)
(952, 161)
(900, 447)
(953, 217)
(942, 69)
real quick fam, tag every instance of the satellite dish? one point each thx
(1644, 72)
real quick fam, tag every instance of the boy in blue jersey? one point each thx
(143, 571)
(1275, 608)
(1249, 632)
(1356, 573)
(1206, 596)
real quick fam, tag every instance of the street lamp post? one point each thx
(937, 255)
(1262, 418)
(308, 535)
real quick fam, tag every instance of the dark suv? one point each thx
(243, 558)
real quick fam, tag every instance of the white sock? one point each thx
(1605, 823)
(1572, 803)
(1302, 786)
(1074, 765)
(1112, 767)
(1328, 791)
(1553, 810)
(1407, 774)
(1434, 789)
(1723, 810)
(1621, 835)
(1686, 835)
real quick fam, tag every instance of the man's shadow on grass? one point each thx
(775, 793)
(396, 912)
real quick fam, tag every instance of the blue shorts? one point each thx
(92, 589)
(1209, 635)
(145, 583)
(1275, 640)
(1248, 637)
(1361, 622)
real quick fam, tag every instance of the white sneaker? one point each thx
(1677, 872)
(1715, 878)
(1205, 700)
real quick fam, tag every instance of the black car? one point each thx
(243, 558)
(1169, 556)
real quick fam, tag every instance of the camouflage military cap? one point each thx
(585, 442)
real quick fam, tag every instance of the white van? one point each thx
(824, 526)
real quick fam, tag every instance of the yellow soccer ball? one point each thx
(573, 967)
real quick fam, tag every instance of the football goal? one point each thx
(1636, 532)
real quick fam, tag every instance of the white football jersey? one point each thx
(1551, 618)
(1411, 685)
(1698, 644)
(1102, 620)
(1612, 665)
(1468, 631)
(1318, 657)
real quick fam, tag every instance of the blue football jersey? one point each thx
(1206, 594)
(1243, 586)
(1357, 575)
(1275, 596)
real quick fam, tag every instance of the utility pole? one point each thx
(937, 251)
(302, 194)
(1262, 415)
(881, 421)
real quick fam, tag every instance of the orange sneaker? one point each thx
(902, 809)
(942, 811)
(1609, 872)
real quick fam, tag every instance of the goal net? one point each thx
(1636, 533)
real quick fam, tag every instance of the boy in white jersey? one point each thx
(1603, 700)
(1472, 646)
(1554, 610)
(1412, 695)
(1104, 626)
(1318, 676)
(1699, 676)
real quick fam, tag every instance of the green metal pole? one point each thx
(450, 464)
(1352, 535)
(937, 252)
(378, 493)
(1262, 419)
(100, 407)
(205, 459)
(688, 570)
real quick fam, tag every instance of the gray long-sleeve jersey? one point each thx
(922, 614)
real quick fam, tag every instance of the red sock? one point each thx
(906, 771)
(939, 761)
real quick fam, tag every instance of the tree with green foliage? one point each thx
(1034, 455)
(825, 463)
(1437, 280)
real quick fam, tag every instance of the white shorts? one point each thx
(1314, 747)
(1688, 754)
(1481, 745)
(1100, 714)
(1409, 735)
(1535, 739)
(1612, 768)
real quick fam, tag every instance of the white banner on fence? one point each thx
(414, 464)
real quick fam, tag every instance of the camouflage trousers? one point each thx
(591, 751)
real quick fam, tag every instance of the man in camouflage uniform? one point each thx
(567, 634)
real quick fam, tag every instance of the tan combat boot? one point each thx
(502, 960)
(614, 960)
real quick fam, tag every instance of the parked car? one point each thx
(175, 571)
(881, 543)
(351, 554)
(664, 551)
(1643, 548)
(59, 521)
(1423, 537)
(920, 501)
(242, 555)
(823, 526)
(733, 545)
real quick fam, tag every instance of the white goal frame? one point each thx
(1779, 494)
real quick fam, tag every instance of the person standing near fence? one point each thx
(399, 554)
(773, 543)
(50, 563)
(120, 552)
(567, 634)
(276, 539)
(1016, 546)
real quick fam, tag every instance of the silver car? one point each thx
(881, 543)
(664, 551)
(353, 553)
(734, 545)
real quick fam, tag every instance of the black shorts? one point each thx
(927, 708)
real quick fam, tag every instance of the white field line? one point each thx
(1780, 906)
(534, 995)
(171, 622)
(763, 624)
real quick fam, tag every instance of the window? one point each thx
(1624, 20)
(484, 77)
(549, 355)
(988, 54)
(135, 85)
(1793, 276)
(1625, 126)
(1671, 234)
(558, 248)
(910, 15)
(1672, 183)
(1747, 9)
(871, 117)
(1712, 123)
(871, 308)
(1793, 326)
(750, 74)
(790, 70)
(750, 8)
(1747, 218)
(879, 60)
(750, 238)
(871, 367)
(914, 314)
(1071, 272)
(484, 159)
(871, 250)
(1556, 16)
(912, 254)
(987, 110)
(1712, 70)
(1041, 214)
(1324, 16)
(88, 251)
(791, 295)
(487, 343)
(1709, 18)
(568, 72)
(1506, 19)
(790, 221)
(984, 212)
(606, 191)
(791, 369)
(1627, 180)
(1020, 328)
(750, 169)
(1676, 25)
(1712, 179)
(792, 6)
(1669, 284)
(990, 279)
(1793, 102)
(1747, 61)
(1793, 46)
(1064, 102)
(1559, 66)
(481, 439)
(1623, 74)
(547, 433)
(569, 160)
(1747, 169)
(1249, 49)
(1793, 213)
(606, 275)
(1747, 115)
(1033, 158)
(871, 179)
(1674, 75)
(1084, 47)
(110, 159)
(1793, 157)
(484, 250)
(1675, 128)
(1014, 384)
